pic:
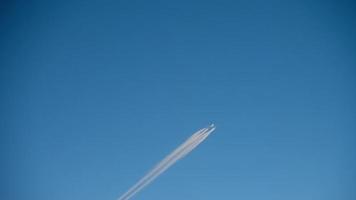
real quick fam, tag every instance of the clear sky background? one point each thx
(94, 93)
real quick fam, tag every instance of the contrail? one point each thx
(191, 143)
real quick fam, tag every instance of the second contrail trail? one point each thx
(191, 143)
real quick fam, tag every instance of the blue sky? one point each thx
(94, 93)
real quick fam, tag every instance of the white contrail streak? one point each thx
(191, 143)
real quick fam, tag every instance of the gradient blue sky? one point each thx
(94, 93)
